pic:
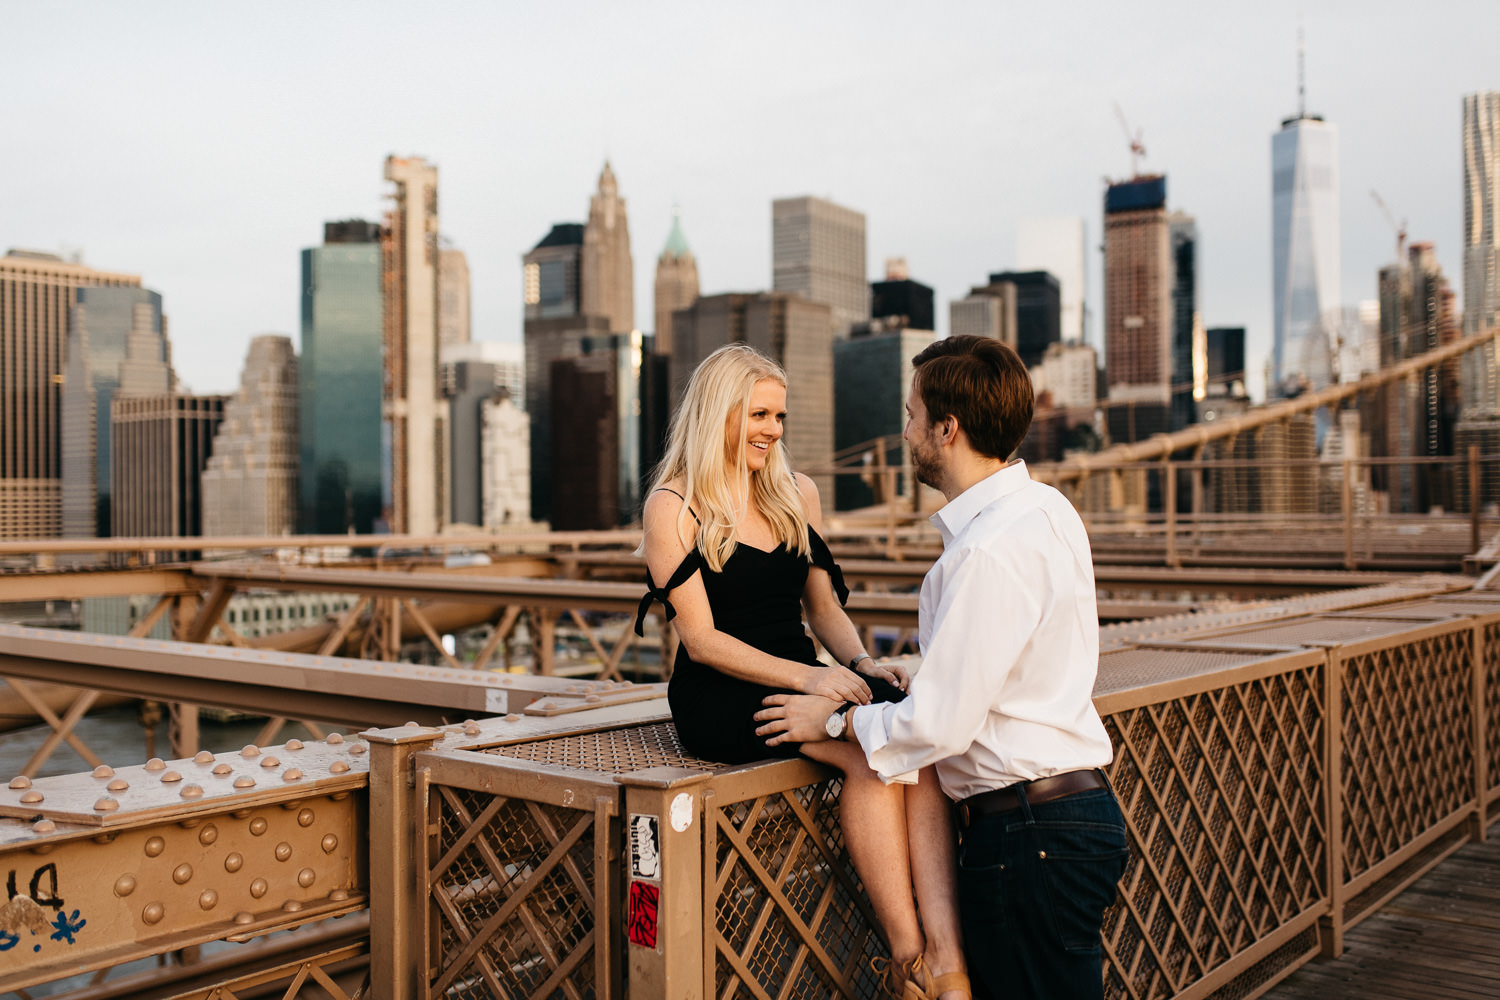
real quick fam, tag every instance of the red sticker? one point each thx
(641, 914)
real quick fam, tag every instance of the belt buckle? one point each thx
(963, 815)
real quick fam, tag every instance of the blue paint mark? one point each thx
(8, 940)
(67, 926)
(36, 947)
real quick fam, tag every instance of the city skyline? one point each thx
(1015, 113)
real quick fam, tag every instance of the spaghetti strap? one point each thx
(690, 564)
(668, 489)
(822, 557)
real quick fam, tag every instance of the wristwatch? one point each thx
(838, 721)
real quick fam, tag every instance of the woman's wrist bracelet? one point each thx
(861, 656)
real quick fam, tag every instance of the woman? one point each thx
(733, 532)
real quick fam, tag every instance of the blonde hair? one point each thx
(713, 488)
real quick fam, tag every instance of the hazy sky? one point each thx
(203, 145)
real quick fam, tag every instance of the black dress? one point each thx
(757, 598)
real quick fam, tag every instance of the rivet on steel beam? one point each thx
(208, 899)
(471, 730)
(329, 843)
(154, 847)
(107, 837)
(203, 757)
(339, 796)
(335, 738)
(258, 826)
(250, 750)
(283, 851)
(182, 874)
(244, 781)
(294, 744)
(258, 888)
(469, 722)
(171, 776)
(104, 771)
(338, 894)
(306, 877)
(412, 725)
(156, 764)
(192, 791)
(118, 785)
(34, 796)
(153, 913)
(20, 781)
(305, 818)
(358, 748)
(291, 774)
(234, 862)
(291, 906)
(244, 918)
(208, 835)
(270, 762)
(222, 769)
(191, 823)
(106, 804)
(43, 826)
(592, 699)
(337, 767)
(512, 717)
(124, 885)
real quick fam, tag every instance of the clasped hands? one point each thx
(803, 718)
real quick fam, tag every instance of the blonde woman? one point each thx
(733, 534)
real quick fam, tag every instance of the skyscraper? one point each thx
(161, 444)
(105, 322)
(340, 382)
(818, 252)
(1137, 308)
(676, 283)
(1304, 251)
(607, 274)
(415, 412)
(37, 295)
(989, 311)
(898, 302)
(1038, 312)
(1056, 245)
(871, 376)
(1481, 131)
(250, 482)
(453, 298)
(1182, 231)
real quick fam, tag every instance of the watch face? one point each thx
(835, 725)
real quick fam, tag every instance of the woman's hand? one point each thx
(893, 673)
(838, 684)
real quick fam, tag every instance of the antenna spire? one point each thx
(1301, 73)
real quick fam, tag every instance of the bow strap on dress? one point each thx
(822, 558)
(690, 564)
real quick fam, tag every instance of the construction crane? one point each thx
(1137, 146)
(1400, 229)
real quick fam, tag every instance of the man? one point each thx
(1002, 704)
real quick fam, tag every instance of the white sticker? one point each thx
(645, 846)
(496, 702)
(682, 812)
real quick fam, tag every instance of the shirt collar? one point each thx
(951, 520)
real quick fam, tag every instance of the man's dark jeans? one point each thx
(1033, 885)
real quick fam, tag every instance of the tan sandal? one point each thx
(923, 985)
(893, 975)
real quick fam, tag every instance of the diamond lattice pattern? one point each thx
(1221, 796)
(512, 897)
(791, 920)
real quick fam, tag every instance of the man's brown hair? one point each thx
(982, 383)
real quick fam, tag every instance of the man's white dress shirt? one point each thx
(1009, 635)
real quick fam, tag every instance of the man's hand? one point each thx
(794, 718)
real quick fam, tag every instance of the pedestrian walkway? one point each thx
(1439, 939)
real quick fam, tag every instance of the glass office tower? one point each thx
(339, 415)
(1305, 252)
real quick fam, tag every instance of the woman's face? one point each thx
(764, 428)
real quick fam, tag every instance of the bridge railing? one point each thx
(1281, 780)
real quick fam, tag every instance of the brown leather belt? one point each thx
(1058, 786)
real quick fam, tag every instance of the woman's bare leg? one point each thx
(934, 869)
(874, 817)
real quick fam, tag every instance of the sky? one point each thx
(203, 146)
